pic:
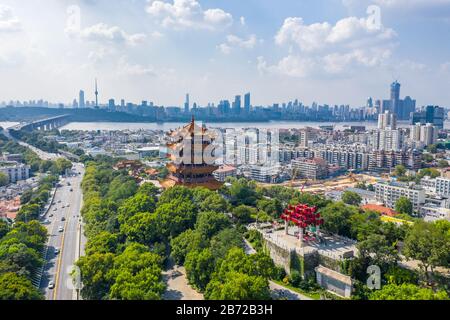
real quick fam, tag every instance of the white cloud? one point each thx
(184, 14)
(293, 66)
(445, 67)
(8, 21)
(225, 48)
(411, 3)
(316, 36)
(101, 32)
(242, 20)
(128, 69)
(234, 41)
(323, 48)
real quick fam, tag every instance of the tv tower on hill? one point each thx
(96, 94)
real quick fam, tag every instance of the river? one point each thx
(114, 126)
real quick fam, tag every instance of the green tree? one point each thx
(404, 206)
(407, 292)
(199, 267)
(400, 171)
(149, 189)
(17, 254)
(139, 203)
(351, 198)
(175, 217)
(337, 216)
(443, 164)
(214, 202)
(15, 287)
(243, 192)
(62, 164)
(244, 213)
(378, 250)
(4, 180)
(32, 234)
(429, 245)
(95, 269)
(271, 207)
(177, 193)
(104, 242)
(210, 223)
(122, 187)
(144, 285)
(141, 228)
(223, 241)
(29, 212)
(239, 286)
(184, 243)
(4, 228)
(432, 148)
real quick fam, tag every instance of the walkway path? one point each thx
(177, 285)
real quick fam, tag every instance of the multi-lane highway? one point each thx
(65, 229)
(66, 239)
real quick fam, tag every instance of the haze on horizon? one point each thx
(158, 50)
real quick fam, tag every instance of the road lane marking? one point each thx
(58, 270)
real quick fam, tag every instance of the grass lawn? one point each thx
(313, 294)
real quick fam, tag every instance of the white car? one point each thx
(57, 251)
(51, 285)
(61, 229)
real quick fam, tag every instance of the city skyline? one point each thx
(333, 52)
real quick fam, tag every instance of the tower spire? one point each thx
(96, 93)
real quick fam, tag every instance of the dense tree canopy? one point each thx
(15, 287)
(351, 198)
(404, 206)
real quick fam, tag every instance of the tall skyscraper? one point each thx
(82, 102)
(408, 107)
(247, 103)
(237, 105)
(187, 104)
(111, 105)
(395, 97)
(430, 114)
(96, 93)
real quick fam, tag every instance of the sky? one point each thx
(325, 51)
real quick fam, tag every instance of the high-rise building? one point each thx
(82, 102)
(424, 135)
(429, 114)
(408, 107)
(387, 120)
(111, 105)
(395, 97)
(247, 103)
(187, 104)
(237, 105)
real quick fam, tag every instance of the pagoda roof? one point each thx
(189, 129)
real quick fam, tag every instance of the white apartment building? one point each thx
(389, 193)
(432, 213)
(424, 135)
(265, 174)
(15, 171)
(388, 140)
(443, 187)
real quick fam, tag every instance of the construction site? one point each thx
(322, 186)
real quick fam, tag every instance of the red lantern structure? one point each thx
(303, 216)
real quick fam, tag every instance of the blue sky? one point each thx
(334, 51)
